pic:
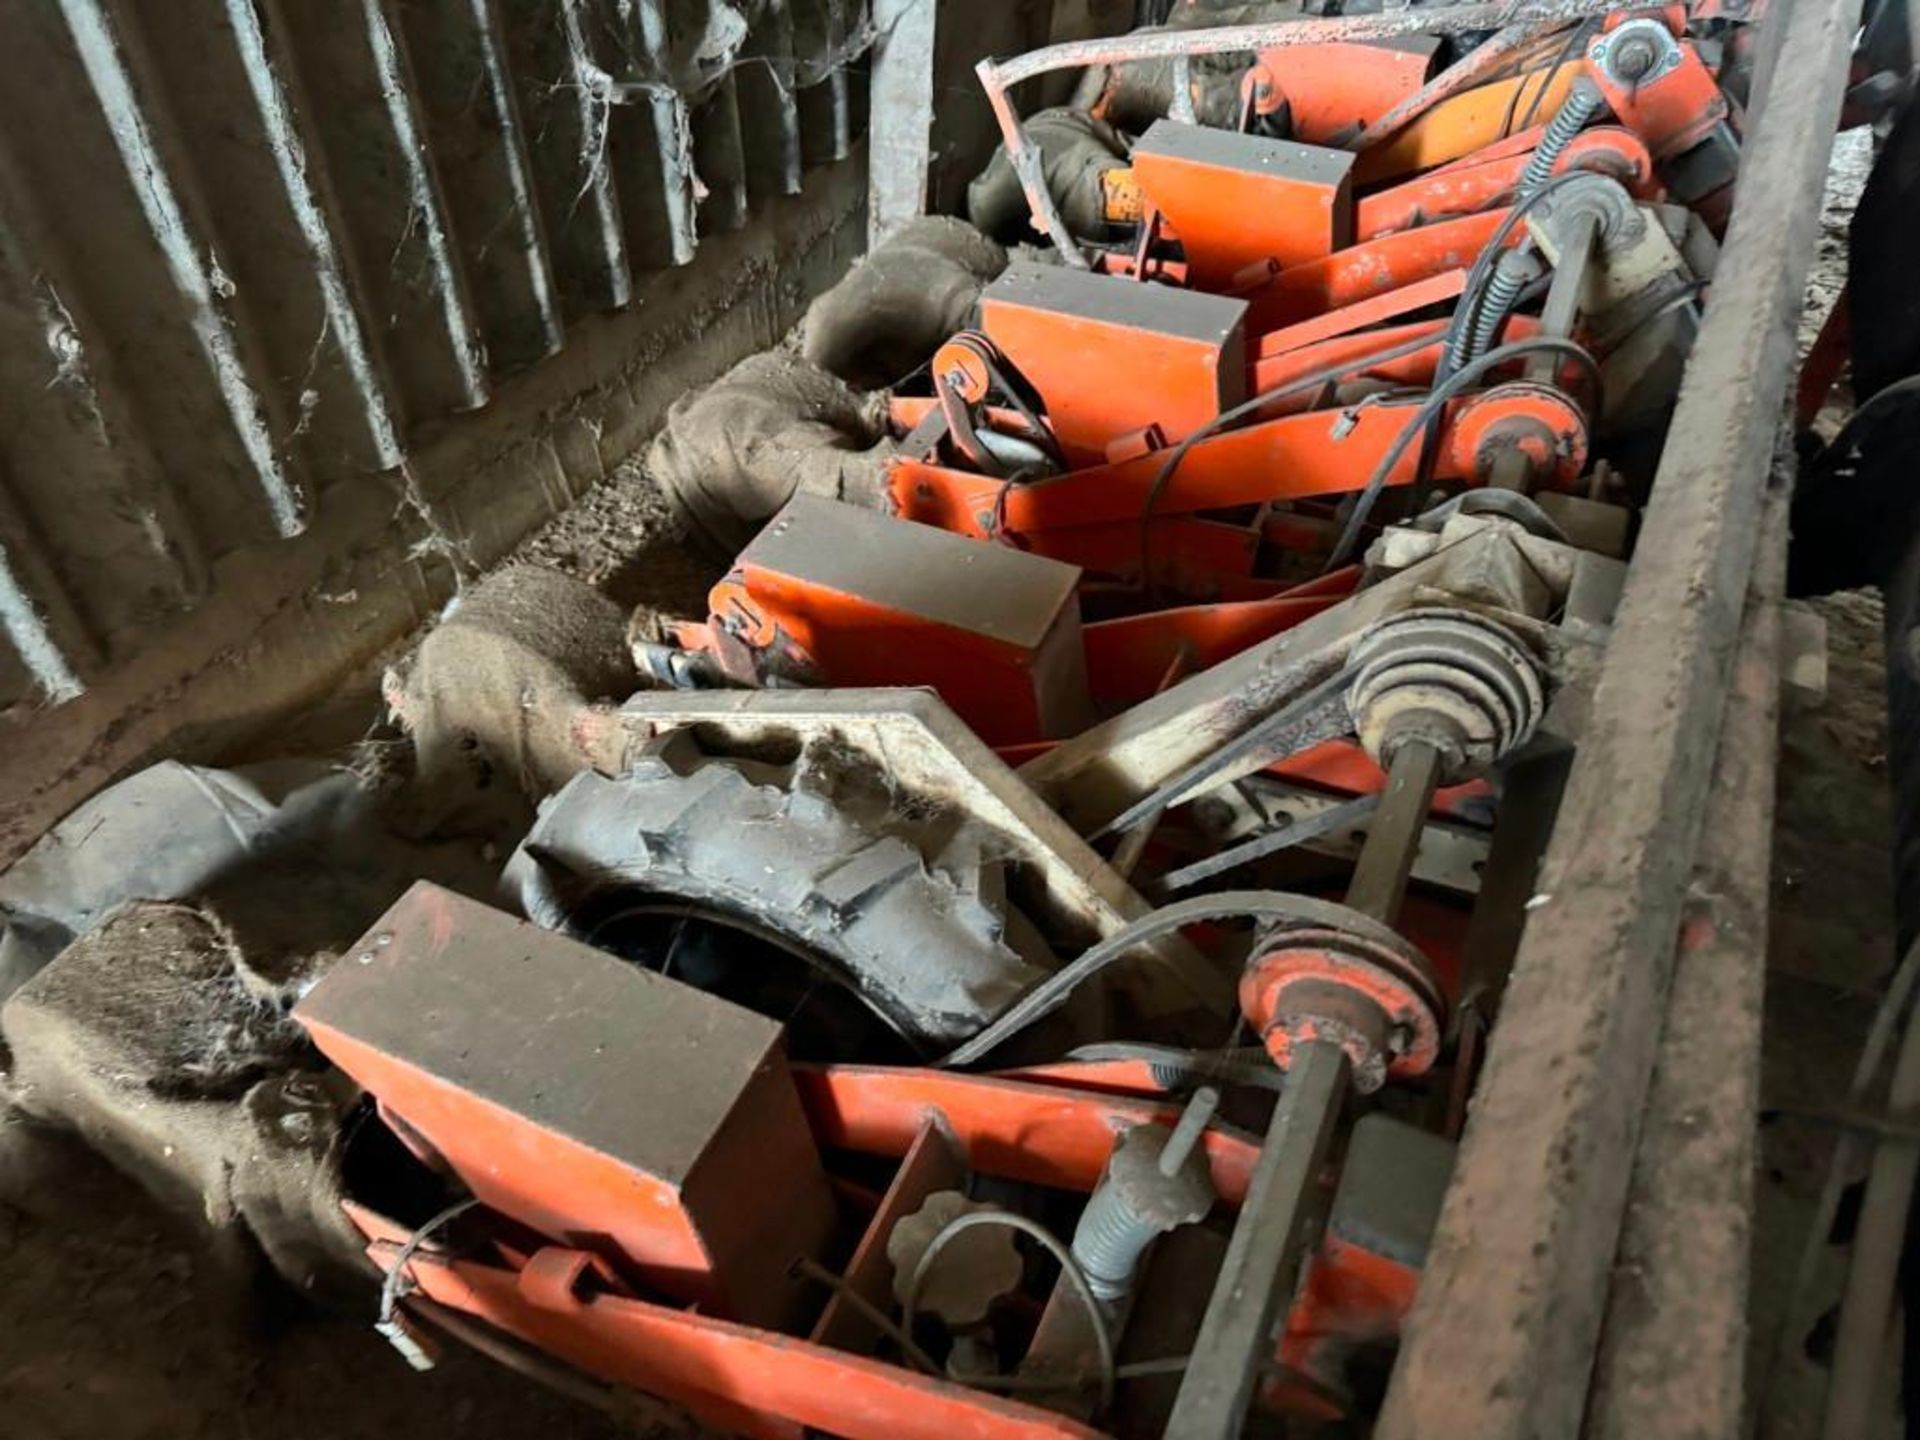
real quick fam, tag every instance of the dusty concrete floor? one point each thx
(113, 1328)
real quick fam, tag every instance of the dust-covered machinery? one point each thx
(1027, 964)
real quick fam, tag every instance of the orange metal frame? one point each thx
(732, 1377)
(1348, 1294)
(1049, 1125)
(1373, 267)
(853, 640)
(1246, 209)
(1127, 658)
(1007, 1128)
(759, 1383)
(1486, 179)
(1322, 452)
(1675, 110)
(1333, 91)
(1055, 1125)
(1414, 369)
(1069, 358)
(1467, 122)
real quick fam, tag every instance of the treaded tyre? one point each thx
(899, 904)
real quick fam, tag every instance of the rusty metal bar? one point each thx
(1256, 1276)
(1236, 1339)
(1502, 1341)
(900, 158)
(1680, 1278)
(1386, 863)
(999, 77)
(1269, 34)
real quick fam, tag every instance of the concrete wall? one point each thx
(283, 622)
(308, 307)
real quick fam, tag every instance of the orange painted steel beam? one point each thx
(744, 1381)
(1333, 90)
(1190, 556)
(1361, 314)
(1467, 122)
(1415, 369)
(1374, 267)
(1520, 142)
(1322, 452)
(1127, 657)
(1488, 181)
(1012, 1129)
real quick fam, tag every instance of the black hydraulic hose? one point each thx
(1228, 905)
(1299, 385)
(1460, 331)
(1430, 411)
(1459, 334)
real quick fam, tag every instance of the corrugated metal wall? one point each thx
(250, 248)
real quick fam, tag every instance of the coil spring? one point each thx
(1502, 290)
(1109, 1242)
(1583, 102)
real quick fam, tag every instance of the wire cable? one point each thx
(1069, 1270)
(1247, 1065)
(1227, 905)
(867, 1311)
(1482, 268)
(391, 1285)
(1460, 329)
(1299, 385)
(1576, 37)
(1430, 411)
